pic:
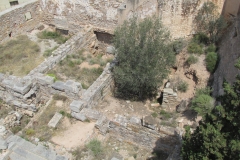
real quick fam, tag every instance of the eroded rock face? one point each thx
(229, 52)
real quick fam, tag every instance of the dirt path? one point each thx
(74, 135)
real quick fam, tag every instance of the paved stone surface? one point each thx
(54, 121)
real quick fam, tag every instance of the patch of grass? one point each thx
(48, 52)
(96, 148)
(154, 114)
(16, 129)
(192, 60)
(53, 75)
(165, 115)
(60, 39)
(182, 86)
(19, 56)
(30, 132)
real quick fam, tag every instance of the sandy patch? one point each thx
(74, 135)
(59, 103)
(87, 65)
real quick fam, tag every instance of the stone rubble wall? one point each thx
(13, 19)
(93, 94)
(36, 88)
(169, 97)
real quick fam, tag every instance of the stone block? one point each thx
(45, 80)
(150, 122)
(110, 50)
(90, 113)
(54, 121)
(22, 88)
(72, 86)
(76, 106)
(79, 116)
(135, 120)
(168, 90)
(59, 86)
(3, 143)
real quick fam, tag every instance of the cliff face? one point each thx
(177, 15)
(229, 52)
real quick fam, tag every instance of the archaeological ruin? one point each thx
(60, 96)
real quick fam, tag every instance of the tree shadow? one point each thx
(166, 147)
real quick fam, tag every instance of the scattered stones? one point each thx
(28, 113)
(54, 121)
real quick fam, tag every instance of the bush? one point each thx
(201, 38)
(144, 57)
(182, 86)
(178, 45)
(211, 48)
(96, 147)
(192, 60)
(194, 47)
(211, 61)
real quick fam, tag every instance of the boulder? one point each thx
(182, 106)
(79, 116)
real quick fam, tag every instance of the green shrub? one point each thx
(211, 48)
(237, 64)
(201, 38)
(192, 60)
(194, 47)
(182, 86)
(211, 61)
(202, 103)
(178, 45)
(96, 147)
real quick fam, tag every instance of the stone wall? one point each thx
(36, 88)
(13, 21)
(177, 16)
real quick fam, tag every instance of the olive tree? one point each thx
(144, 54)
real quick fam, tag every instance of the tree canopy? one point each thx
(218, 136)
(144, 55)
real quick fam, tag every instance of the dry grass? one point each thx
(69, 68)
(40, 127)
(19, 56)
